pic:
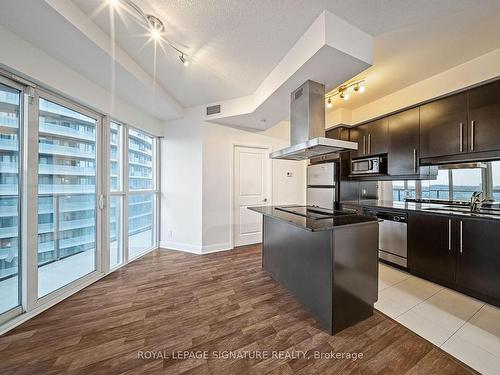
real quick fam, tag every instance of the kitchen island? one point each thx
(328, 261)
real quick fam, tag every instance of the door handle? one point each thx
(472, 136)
(264, 200)
(449, 234)
(364, 145)
(461, 137)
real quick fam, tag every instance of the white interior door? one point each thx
(251, 188)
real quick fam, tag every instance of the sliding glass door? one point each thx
(67, 193)
(10, 202)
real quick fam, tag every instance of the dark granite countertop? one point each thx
(313, 225)
(431, 208)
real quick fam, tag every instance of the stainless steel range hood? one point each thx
(307, 126)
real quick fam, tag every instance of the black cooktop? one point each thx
(312, 212)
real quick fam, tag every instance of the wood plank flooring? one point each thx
(170, 301)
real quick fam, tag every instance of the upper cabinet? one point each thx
(484, 118)
(443, 127)
(339, 132)
(403, 153)
(371, 138)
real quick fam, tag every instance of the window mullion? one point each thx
(30, 204)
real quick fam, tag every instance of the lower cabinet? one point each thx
(478, 256)
(430, 246)
(463, 253)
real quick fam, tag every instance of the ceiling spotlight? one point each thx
(113, 3)
(329, 103)
(344, 95)
(359, 87)
(156, 27)
(183, 59)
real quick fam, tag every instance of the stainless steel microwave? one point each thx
(374, 165)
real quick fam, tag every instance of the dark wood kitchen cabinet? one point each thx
(371, 138)
(430, 246)
(403, 152)
(478, 256)
(339, 132)
(443, 127)
(484, 118)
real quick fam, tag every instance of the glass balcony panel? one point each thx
(115, 231)
(140, 156)
(141, 209)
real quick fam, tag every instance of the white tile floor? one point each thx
(466, 328)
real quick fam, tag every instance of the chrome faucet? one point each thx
(476, 201)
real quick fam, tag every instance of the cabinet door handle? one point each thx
(461, 237)
(472, 131)
(461, 137)
(415, 160)
(449, 234)
(369, 143)
(364, 145)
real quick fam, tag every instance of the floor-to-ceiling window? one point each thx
(141, 205)
(10, 123)
(67, 188)
(60, 187)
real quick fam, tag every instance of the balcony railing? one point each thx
(52, 189)
(65, 131)
(51, 169)
(47, 148)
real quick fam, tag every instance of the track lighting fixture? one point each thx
(155, 26)
(183, 59)
(343, 91)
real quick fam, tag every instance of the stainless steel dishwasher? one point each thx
(392, 242)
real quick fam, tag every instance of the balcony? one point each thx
(9, 167)
(51, 189)
(9, 232)
(52, 169)
(9, 145)
(53, 129)
(9, 189)
(78, 153)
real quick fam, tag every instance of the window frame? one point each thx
(22, 202)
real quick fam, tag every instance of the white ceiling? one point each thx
(235, 44)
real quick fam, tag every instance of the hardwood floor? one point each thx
(170, 301)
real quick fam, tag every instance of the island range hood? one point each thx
(307, 126)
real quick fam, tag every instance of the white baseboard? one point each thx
(216, 247)
(195, 249)
(189, 248)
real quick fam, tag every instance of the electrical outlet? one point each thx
(170, 234)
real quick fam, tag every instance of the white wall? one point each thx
(30, 62)
(181, 184)
(218, 144)
(196, 166)
(480, 69)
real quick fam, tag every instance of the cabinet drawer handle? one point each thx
(461, 137)
(472, 136)
(449, 234)
(415, 160)
(461, 237)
